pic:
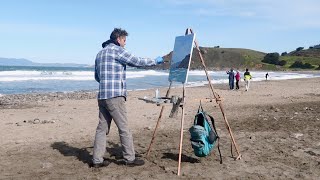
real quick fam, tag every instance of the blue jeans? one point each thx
(231, 83)
(112, 109)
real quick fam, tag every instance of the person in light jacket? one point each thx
(247, 78)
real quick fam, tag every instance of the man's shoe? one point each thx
(138, 155)
(103, 164)
(136, 162)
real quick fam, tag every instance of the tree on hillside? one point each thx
(308, 66)
(316, 46)
(299, 48)
(271, 58)
(284, 53)
(299, 64)
(282, 63)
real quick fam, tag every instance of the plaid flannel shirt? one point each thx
(110, 70)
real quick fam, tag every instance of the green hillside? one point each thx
(311, 56)
(222, 58)
(291, 59)
(225, 58)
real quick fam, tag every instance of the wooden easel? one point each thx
(218, 101)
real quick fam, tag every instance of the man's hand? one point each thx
(159, 60)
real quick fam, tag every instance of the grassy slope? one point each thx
(225, 58)
(315, 61)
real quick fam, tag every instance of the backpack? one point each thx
(203, 136)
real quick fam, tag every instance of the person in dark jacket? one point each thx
(231, 78)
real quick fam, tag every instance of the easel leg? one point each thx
(158, 123)
(181, 131)
(155, 130)
(230, 131)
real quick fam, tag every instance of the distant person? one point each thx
(231, 78)
(247, 78)
(110, 72)
(237, 79)
(267, 75)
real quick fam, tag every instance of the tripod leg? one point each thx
(155, 130)
(158, 123)
(181, 131)
(230, 131)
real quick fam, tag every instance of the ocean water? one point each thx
(21, 80)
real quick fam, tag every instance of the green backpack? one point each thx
(203, 136)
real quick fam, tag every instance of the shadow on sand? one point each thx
(65, 149)
(83, 155)
(184, 158)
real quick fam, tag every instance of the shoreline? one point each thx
(44, 86)
(92, 94)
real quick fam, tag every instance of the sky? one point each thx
(71, 31)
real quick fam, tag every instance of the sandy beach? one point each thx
(276, 125)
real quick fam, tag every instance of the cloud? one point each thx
(223, 12)
(286, 13)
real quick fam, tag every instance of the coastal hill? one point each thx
(217, 58)
(313, 52)
(26, 62)
(220, 58)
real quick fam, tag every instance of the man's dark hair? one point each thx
(118, 32)
(104, 44)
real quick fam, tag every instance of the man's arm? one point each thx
(96, 72)
(131, 60)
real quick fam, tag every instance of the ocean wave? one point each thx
(68, 75)
(7, 79)
(195, 77)
(144, 73)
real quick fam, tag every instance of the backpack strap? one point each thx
(200, 109)
(214, 127)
